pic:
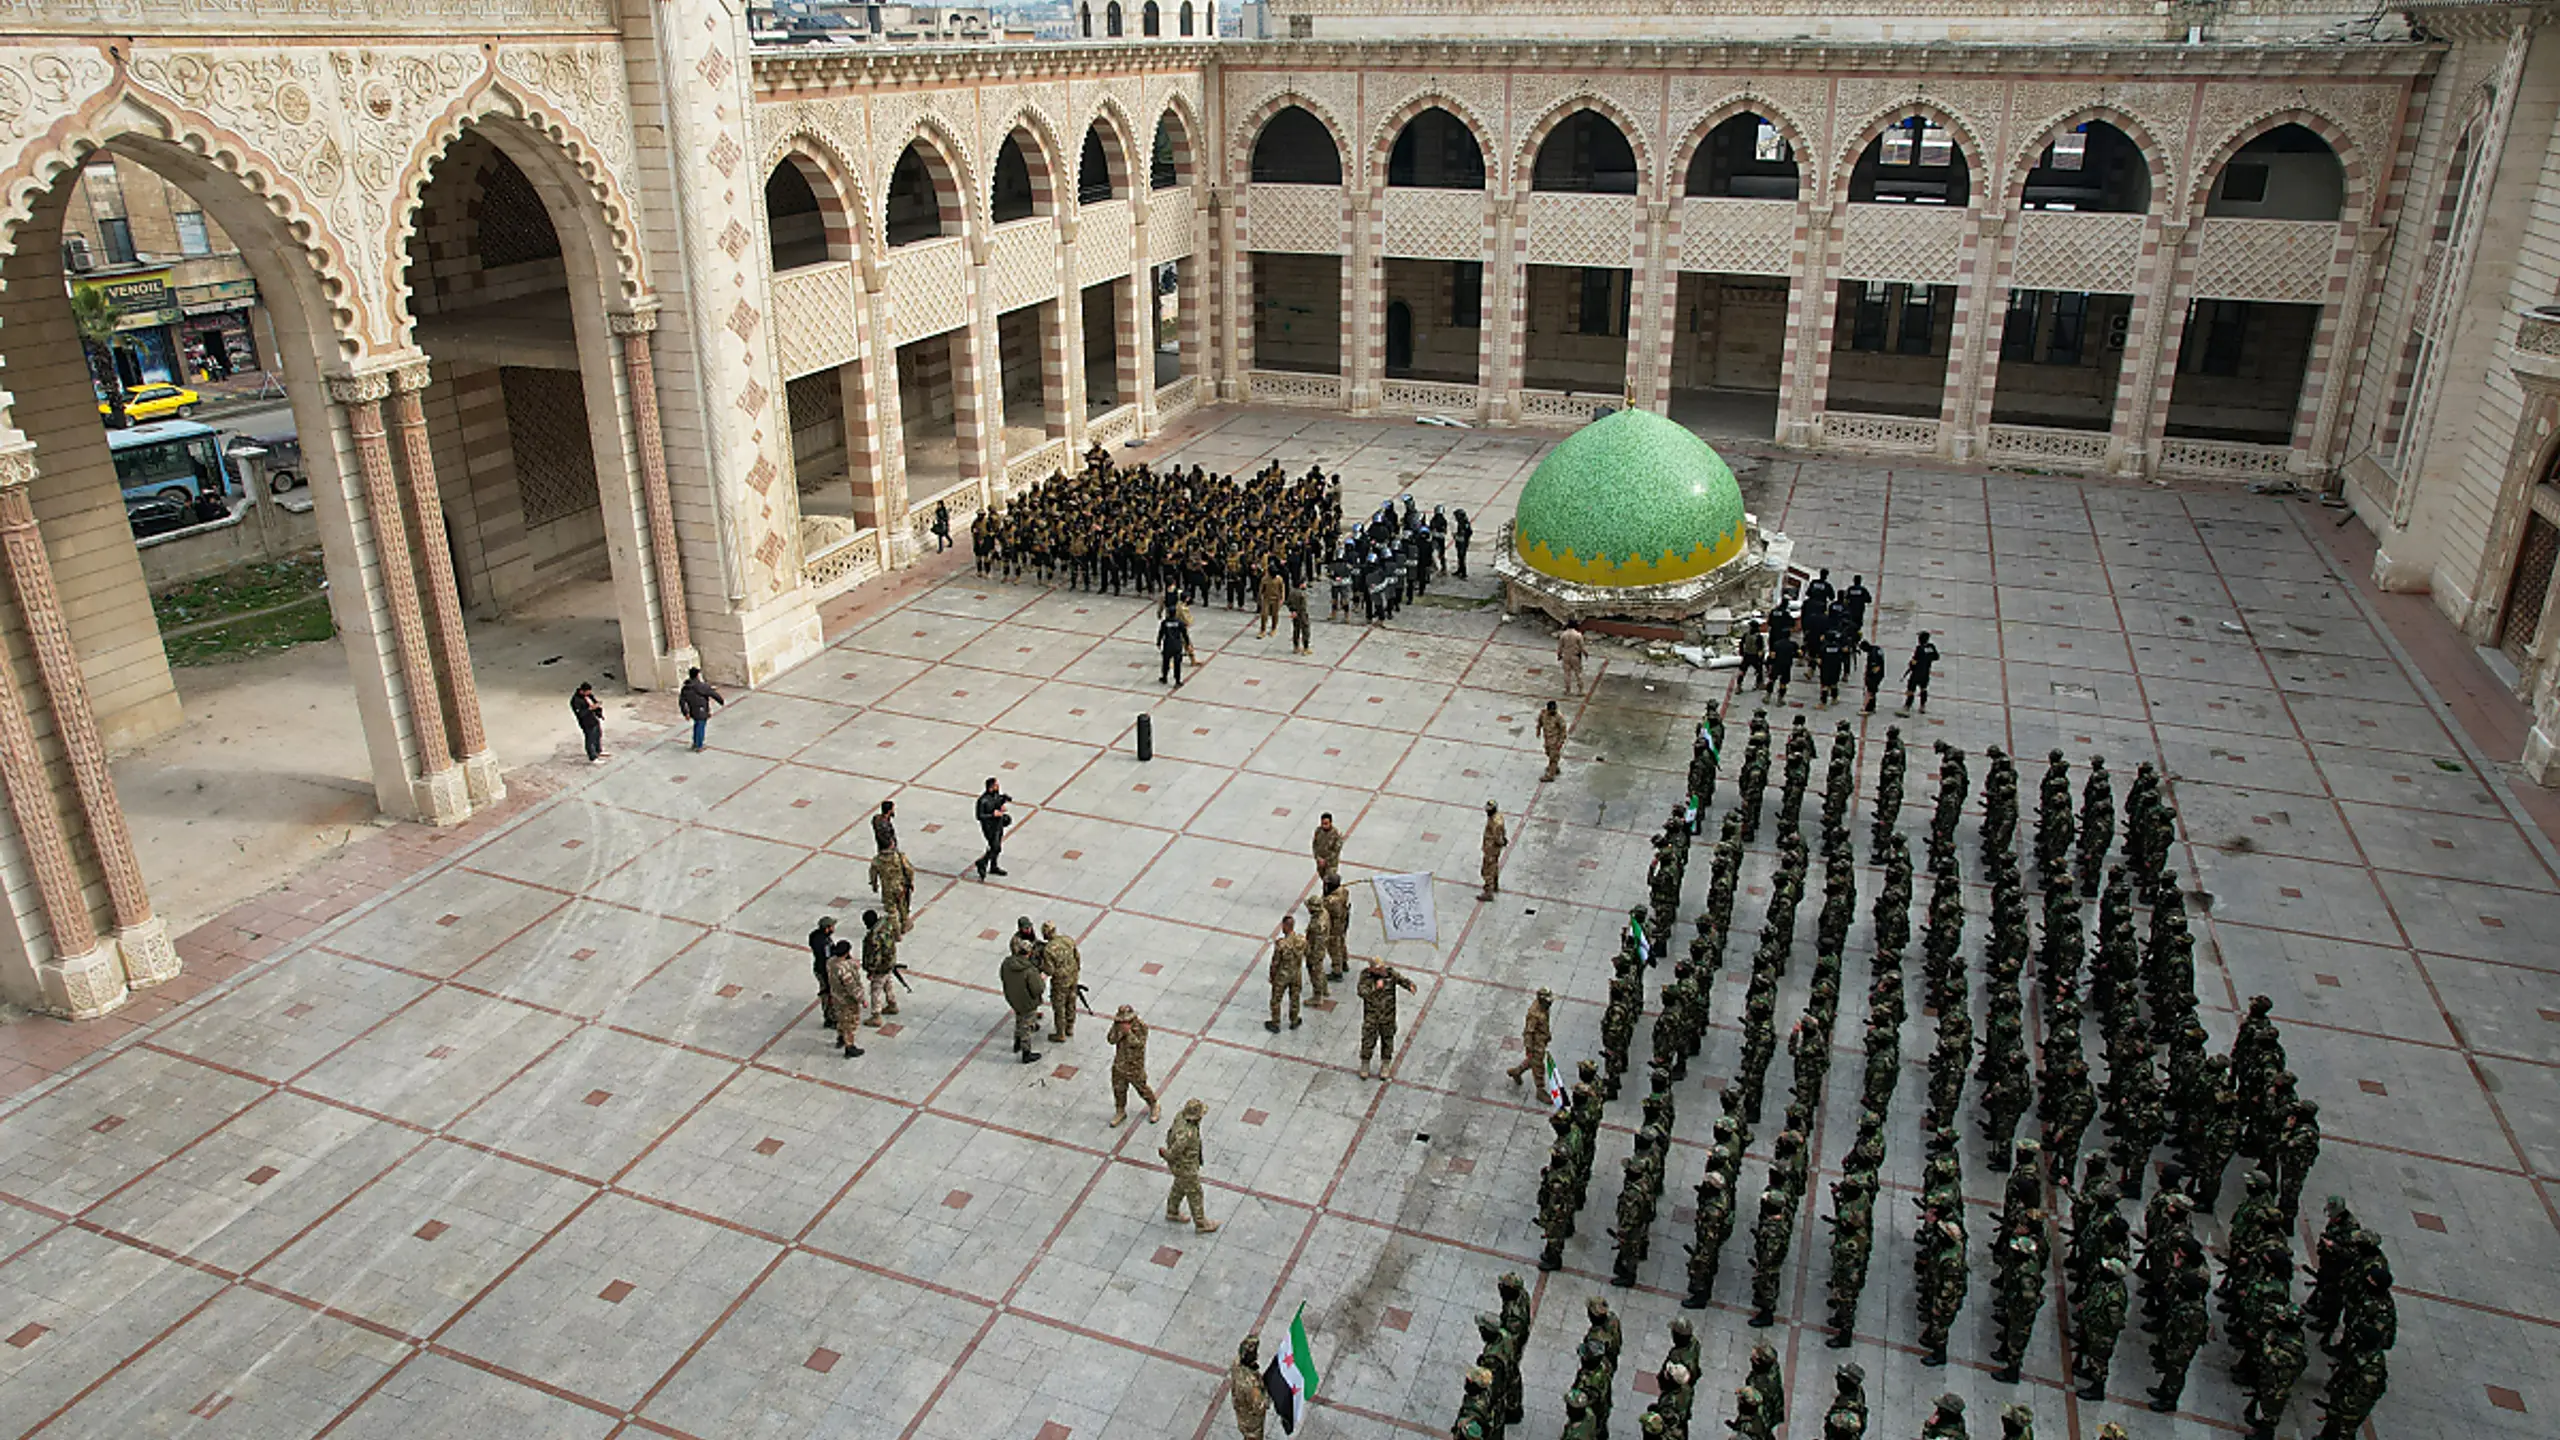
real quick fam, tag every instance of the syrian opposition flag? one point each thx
(1555, 1083)
(1709, 736)
(1693, 813)
(1290, 1378)
(1644, 944)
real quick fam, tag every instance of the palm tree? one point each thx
(95, 314)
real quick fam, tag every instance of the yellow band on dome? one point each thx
(1602, 571)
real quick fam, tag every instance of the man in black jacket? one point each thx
(991, 823)
(695, 700)
(822, 943)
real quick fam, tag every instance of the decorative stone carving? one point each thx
(1971, 109)
(2063, 250)
(1433, 224)
(1801, 105)
(1476, 97)
(576, 94)
(1583, 229)
(1172, 226)
(813, 326)
(927, 290)
(2278, 260)
(1897, 434)
(1332, 96)
(1022, 266)
(2226, 459)
(2044, 445)
(1104, 244)
(1294, 219)
(2145, 110)
(1428, 397)
(2361, 116)
(1289, 387)
(1738, 237)
(1920, 244)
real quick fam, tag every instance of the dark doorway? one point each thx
(1399, 338)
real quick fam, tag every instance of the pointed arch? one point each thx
(1179, 151)
(945, 168)
(1249, 130)
(1524, 156)
(118, 117)
(1032, 137)
(2155, 156)
(1382, 140)
(1741, 102)
(2351, 160)
(1844, 160)
(830, 177)
(1107, 122)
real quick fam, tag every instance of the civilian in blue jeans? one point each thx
(694, 702)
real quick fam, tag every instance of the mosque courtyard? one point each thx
(544, 1137)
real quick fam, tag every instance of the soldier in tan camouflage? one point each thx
(1337, 929)
(894, 876)
(1378, 986)
(1495, 837)
(1569, 652)
(1128, 1039)
(1319, 983)
(1551, 735)
(1288, 972)
(1060, 961)
(879, 965)
(1328, 847)
(844, 978)
(1181, 1154)
(1535, 1032)
(1244, 1387)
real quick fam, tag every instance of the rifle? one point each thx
(900, 971)
(1084, 1002)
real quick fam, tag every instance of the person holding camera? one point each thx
(991, 822)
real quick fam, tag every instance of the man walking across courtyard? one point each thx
(1128, 1037)
(1569, 652)
(694, 702)
(1551, 735)
(589, 711)
(992, 821)
(1495, 838)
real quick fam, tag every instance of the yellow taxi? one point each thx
(155, 402)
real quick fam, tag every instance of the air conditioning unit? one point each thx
(76, 257)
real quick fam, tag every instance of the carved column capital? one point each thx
(370, 388)
(17, 467)
(638, 321)
(410, 377)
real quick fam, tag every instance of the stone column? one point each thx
(1652, 310)
(425, 508)
(82, 977)
(148, 956)
(640, 376)
(1141, 306)
(1505, 315)
(1071, 335)
(2153, 336)
(1812, 303)
(1364, 305)
(1234, 294)
(1972, 350)
(438, 793)
(897, 542)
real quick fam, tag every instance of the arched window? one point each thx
(2091, 166)
(1020, 191)
(1747, 158)
(1295, 148)
(1084, 16)
(1097, 178)
(1186, 17)
(1111, 19)
(1587, 153)
(795, 221)
(2289, 173)
(1170, 165)
(1150, 21)
(1915, 161)
(1436, 151)
(922, 204)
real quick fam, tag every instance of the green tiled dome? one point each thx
(1634, 499)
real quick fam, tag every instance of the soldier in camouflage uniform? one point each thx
(1181, 1154)
(1941, 1280)
(2019, 1292)
(1244, 1389)
(1288, 972)
(2055, 827)
(1535, 1034)
(2098, 1308)
(1770, 1236)
(894, 877)
(1495, 838)
(1378, 986)
(1063, 964)
(1128, 1037)
(1337, 932)
(1847, 1417)
(1639, 1192)
(1889, 777)
(1946, 1420)
(2097, 824)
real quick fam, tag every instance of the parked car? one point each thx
(157, 515)
(156, 402)
(283, 458)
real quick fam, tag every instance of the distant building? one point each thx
(820, 22)
(187, 309)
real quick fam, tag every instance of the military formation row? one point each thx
(2210, 1107)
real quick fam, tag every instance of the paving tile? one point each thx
(287, 1018)
(548, 1319)
(594, 1103)
(247, 1365)
(82, 1140)
(430, 1390)
(99, 1301)
(767, 1152)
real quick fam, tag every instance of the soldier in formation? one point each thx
(1378, 986)
(1181, 1155)
(1128, 1037)
(1111, 528)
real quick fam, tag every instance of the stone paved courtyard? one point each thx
(547, 1140)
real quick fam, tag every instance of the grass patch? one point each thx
(297, 624)
(279, 604)
(258, 585)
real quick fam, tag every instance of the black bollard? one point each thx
(1146, 736)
